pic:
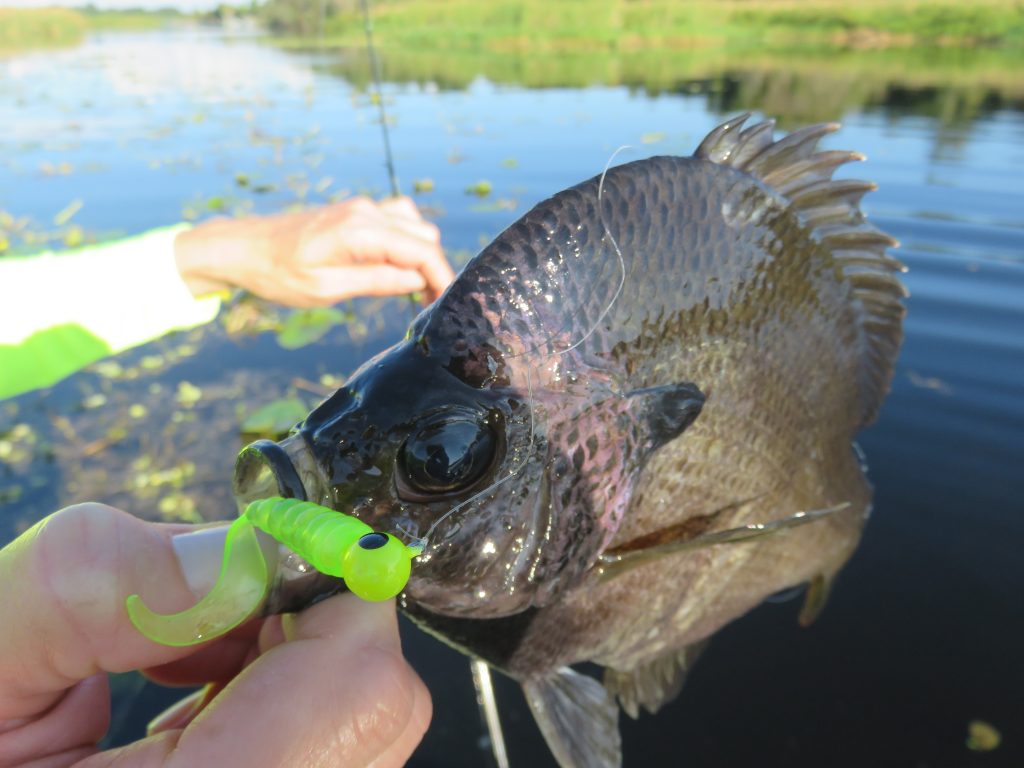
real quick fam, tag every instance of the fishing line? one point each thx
(425, 540)
(375, 73)
(615, 245)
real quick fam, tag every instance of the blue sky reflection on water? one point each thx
(923, 631)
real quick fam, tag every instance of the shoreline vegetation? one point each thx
(24, 29)
(634, 25)
(803, 60)
(573, 25)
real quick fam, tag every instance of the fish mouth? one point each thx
(265, 468)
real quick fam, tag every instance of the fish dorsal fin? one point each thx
(794, 168)
(578, 717)
(654, 683)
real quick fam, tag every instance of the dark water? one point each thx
(925, 629)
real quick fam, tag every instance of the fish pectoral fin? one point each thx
(578, 717)
(814, 602)
(654, 683)
(668, 410)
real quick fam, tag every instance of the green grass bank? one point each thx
(646, 24)
(26, 28)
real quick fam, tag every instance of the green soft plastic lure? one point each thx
(375, 567)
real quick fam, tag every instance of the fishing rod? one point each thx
(375, 74)
(481, 672)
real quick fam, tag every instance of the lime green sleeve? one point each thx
(62, 311)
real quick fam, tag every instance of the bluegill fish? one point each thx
(597, 423)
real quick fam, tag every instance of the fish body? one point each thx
(673, 349)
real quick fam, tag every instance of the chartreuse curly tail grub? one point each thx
(375, 566)
(240, 589)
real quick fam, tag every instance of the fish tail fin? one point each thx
(794, 167)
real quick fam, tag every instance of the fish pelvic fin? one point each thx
(815, 598)
(578, 717)
(653, 683)
(830, 208)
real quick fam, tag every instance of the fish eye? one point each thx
(446, 455)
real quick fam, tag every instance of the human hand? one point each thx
(318, 257)
(326, 687)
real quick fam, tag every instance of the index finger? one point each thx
(411, 249)
(63, 618)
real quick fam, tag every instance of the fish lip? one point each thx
(265, 468)
(289, 469)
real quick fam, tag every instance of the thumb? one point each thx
(62, 618)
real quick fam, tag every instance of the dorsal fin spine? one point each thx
(794, 168)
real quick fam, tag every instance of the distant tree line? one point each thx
(304, 18)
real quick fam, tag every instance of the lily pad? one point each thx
(309, 325)
(481, 188)
(275, 418)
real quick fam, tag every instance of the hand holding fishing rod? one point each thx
(63, 627)
(320, 256)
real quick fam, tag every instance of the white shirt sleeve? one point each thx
(125, 292)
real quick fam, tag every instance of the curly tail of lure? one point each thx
(375, 567)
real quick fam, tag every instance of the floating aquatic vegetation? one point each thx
(179, 507)
(275, 418)
(188, 394)
(422, 185)
(108, 369)
(74, 236)
(306, 326)
(982, 736)
(246, 315)
(499, 204)
(653, 137)
(64, 216)
(480, 188)
(56, 169)
(174, 477)
(332, 381)
(95, 400)
(17, 444)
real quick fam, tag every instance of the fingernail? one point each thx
(200, 554)
(179, 715)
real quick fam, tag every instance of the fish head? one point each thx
(431, 442)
